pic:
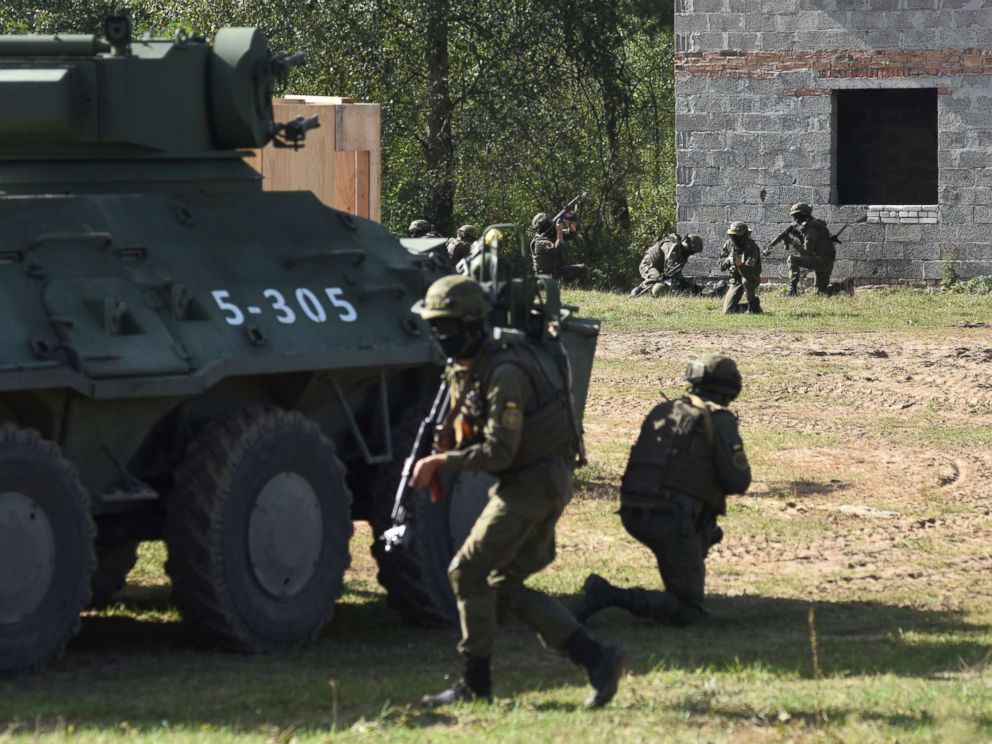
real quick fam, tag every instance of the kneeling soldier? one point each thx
(687, 459)
(511, 420)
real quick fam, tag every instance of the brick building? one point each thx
(877, 112)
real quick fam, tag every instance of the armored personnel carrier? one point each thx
(186, 357)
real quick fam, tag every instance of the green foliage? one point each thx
(950, 275)
(980, 285)
(547, 99)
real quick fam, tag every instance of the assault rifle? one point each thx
(789, 235)
(399, 535)
(570, 207)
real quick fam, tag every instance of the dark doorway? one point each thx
(886, 151)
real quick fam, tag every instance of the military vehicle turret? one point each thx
(187, 357)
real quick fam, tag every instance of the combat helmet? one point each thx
(456, 297)
(715, 373)
(419, 228)
(468, 232)
(738, 228)
(694, 242)
(802, 208)
(541, 223)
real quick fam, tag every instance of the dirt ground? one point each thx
(872, 457)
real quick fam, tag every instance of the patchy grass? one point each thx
(888, 309)
(866, 423)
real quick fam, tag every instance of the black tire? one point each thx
(114, 562)
(46, 550)
(416, 578)
(225, 542)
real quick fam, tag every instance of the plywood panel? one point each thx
(344, 184)
(362, 183)
(356, 127)
(341, 161)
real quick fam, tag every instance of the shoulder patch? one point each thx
(739, 458)
(511, 417)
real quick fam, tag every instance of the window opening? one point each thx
(886, 146)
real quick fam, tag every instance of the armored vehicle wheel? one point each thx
(46, 549)
(258, 530)
(114, 562)
(416, 578)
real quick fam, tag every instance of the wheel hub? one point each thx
(285, 534)
(27, 556)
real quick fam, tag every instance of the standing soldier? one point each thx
(687, 459)
(663, 263)
(547, 250)
(510, 419)
(742, 257)
(459, 246)
(422, 229)
(814, 250)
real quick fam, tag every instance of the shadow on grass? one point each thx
(369, 669)
(773, 634)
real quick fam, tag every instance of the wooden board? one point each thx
(340, 162)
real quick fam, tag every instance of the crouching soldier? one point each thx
(662, 266)
(687, 459)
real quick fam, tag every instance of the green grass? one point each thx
(904, 659)
(885, 309)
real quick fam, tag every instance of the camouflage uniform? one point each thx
(744, 280)
(815, 251)
(548, 255)
(509, 418)
(460, 246)
(688, 458)
(652, 268)
(662, 266)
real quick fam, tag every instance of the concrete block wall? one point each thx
(754, 126)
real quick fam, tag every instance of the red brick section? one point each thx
(879, 63)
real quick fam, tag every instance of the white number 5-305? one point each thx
(307, 301)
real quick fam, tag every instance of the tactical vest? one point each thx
(458, 249)
(544, 261)
(818, 239)
(547, 428)
(674, 455)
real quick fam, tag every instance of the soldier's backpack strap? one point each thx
(707, 418)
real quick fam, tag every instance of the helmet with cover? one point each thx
(738, 228)
(468, 232)
(541, 223)
(715, 373)
(456, 307)
(419, 228)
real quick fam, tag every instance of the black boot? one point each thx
(597, 594)
(476, 684)
(793, 286)
(604, 665)
(754, 307)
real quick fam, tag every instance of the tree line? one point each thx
(492, 110)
